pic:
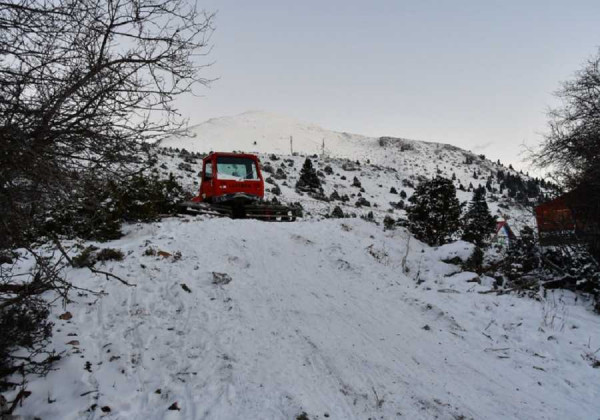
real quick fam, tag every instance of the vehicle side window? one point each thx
(251, 171)
(208, 170)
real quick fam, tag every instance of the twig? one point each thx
(109, 275)
(88, 392)
(22, 394)
(378, 402)
(503, 291)
(90, 267)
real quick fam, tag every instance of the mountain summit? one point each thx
(267, 132)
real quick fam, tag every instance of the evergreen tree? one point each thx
(435, 212)
(309, 181)
(475, 261)
(478, 222)
(528, 244)
(523, 255)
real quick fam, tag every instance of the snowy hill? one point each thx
(321, 318)
(245, 319)
(337, 176)
(264, 132)
(383, 162)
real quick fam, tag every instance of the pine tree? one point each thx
(523, 255)
(309, 181)
(435, 212)
(478, 222)
(475, 261)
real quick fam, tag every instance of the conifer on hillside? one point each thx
(309, 180)
(478, 223)
(523, 255)
(434, 216)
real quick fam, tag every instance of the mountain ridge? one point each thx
(269, 132)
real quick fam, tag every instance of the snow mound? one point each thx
(458, 249)
(245, 319)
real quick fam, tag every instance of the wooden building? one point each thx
(573, 217)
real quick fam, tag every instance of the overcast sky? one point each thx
(478, 74)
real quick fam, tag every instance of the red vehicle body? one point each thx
(232, 185)
(230, 176)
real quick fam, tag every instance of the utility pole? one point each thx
(291, 145)
(323, 148)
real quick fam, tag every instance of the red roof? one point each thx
(500, 224)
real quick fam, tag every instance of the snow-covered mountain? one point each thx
(265, 132)
(317, 319)
(379, 164)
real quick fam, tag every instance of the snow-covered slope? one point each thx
(322, 318)
(337, 174)
(384, 162)
(265, 132)
(315, 317)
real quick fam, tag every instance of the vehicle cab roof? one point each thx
(230, 154)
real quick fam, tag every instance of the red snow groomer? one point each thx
(232, 185)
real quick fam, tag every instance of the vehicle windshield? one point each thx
(230, 167)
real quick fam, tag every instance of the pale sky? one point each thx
(478, 74)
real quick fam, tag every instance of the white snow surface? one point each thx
(319, 317)
(267, 132)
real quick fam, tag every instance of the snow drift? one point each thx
(245, 319)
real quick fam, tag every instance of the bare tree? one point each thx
(84, 85)
(571, 149)
(572, 146)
